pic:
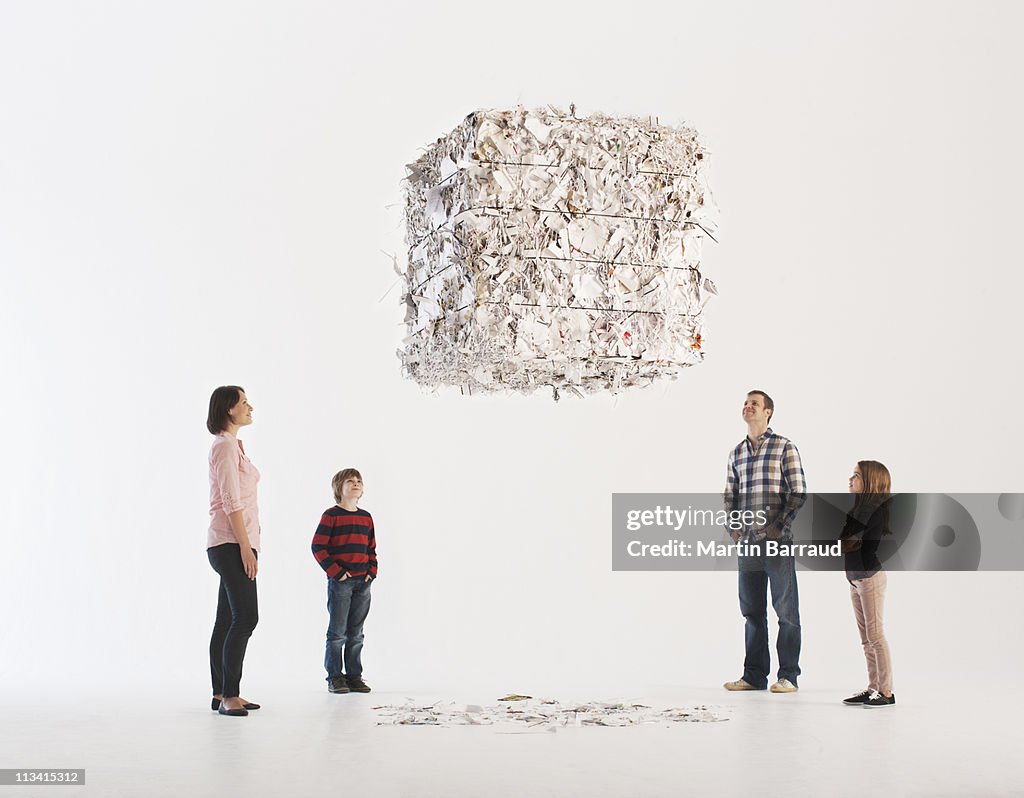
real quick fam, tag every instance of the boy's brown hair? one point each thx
(339, 480)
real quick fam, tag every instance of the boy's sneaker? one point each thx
(783, 686)
(338, 685)
(857, 700)
(357, 685)
(876, 699)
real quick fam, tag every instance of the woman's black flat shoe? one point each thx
(238, 713)
(215, 705)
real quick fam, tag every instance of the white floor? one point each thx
(965, 741)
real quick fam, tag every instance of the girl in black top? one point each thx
(865, 525)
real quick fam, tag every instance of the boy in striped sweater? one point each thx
(346, 548)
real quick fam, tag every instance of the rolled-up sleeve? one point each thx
(732, 484)
(224, 460)
(796, 485)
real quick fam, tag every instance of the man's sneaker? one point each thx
(857, 700)
(876, 699)
(357, 685)
(783, 686)
(338, 685)
(740, 684)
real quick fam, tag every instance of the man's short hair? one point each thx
(339, 480)
(768, 403)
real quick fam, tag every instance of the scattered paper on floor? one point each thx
(540, 714)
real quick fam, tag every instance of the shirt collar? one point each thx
(225, 434)
(764, 436)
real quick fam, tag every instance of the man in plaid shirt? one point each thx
(765, 473)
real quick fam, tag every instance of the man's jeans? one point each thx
(755, 576)
(348, 603)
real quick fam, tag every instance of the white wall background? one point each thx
(200, 193)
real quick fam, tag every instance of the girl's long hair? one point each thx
(876, 494)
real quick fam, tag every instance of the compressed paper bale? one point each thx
(550, 250)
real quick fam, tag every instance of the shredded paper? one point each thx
(547, 250)
(544, 714)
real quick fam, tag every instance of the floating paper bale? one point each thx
(547, 250)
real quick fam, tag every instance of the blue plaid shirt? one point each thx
(767, 477)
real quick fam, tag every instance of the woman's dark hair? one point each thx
(221, 401)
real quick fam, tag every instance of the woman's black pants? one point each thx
(237, 616)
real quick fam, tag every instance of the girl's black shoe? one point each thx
(857, 700)
(876, 699)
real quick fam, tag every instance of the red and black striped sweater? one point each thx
(344, 542)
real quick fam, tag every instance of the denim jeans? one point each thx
(237, 616)
(755, 576)
(348, 603)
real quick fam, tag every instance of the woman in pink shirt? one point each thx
(232, 543)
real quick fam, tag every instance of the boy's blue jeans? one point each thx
(756, 574)
(348, 603)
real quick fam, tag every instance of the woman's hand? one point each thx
(245, 549)
(249, 562)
